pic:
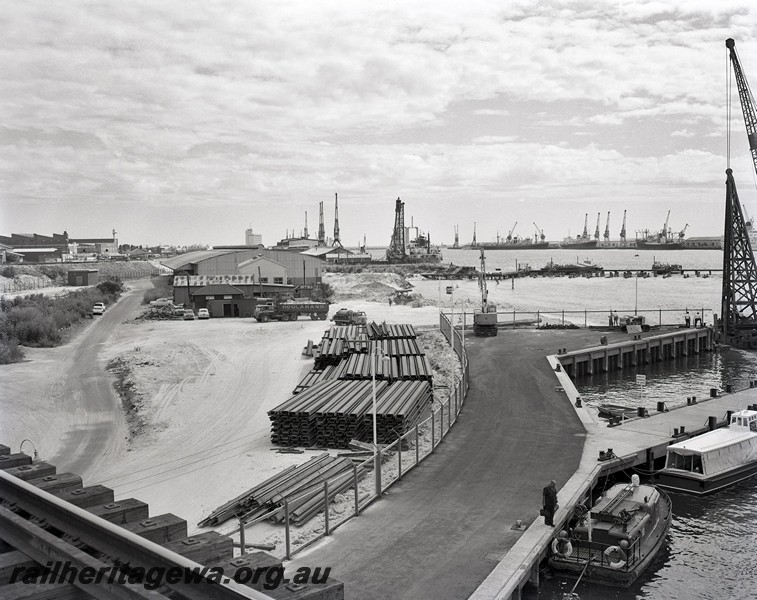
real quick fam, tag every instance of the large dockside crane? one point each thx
(485, 321)
(739, 291)
(596, 231)
(623, 229)
(607, 228)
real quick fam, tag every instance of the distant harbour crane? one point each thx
(596, 231)
(623, 229)
(607, 227)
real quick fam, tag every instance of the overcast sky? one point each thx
(186, 122)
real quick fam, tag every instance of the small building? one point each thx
(39, 255)
(265, 269)
(82, 277)
(226, 295)
(336, 254)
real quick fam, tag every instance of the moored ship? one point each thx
(615, 541)
(714, 460)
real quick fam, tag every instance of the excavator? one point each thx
(485, 320)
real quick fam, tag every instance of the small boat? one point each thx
(714, 460)
(611, 411)
(615, 541)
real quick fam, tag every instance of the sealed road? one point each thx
(441, 531)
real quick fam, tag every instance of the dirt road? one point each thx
(100, 430)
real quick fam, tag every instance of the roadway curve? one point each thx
(441, 531)
(98, 430)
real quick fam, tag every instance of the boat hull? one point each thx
(600, 572)
(678, 482)
(537, 246)
(645, 245)
(584, 245)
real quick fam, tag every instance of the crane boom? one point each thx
(665, 227)
(596, 231)
(510, 233)
(541, 232)
(747, 100)
(607, 227)
(586, 227)
(623, 229)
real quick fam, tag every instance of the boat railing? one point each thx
(584, 550)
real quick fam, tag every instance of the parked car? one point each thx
(162, 302)
(189, 315)
(203, 313)
(98, 308)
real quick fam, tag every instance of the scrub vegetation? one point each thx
(41, 321)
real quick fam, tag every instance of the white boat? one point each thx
(714, 460)
(614, 542)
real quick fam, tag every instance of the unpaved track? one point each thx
(100, 430)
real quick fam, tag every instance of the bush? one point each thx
(161, 288)
(9, 272)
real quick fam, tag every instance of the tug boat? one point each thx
(615, 541)
(714, 460)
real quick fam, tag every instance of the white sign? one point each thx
(641, 379)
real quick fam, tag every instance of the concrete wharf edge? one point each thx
(634, 442)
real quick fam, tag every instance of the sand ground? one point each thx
(201, 434)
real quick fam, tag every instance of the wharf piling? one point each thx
(631, 353)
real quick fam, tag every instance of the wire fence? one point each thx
(595, 318)
(389, 465)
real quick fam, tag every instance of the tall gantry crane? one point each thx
(585, 234)
(739, 291)
(596, 231)
(542, 237)
(665, 232)
(396, 250)
(607, 227)
(682, 233)
(474, 243)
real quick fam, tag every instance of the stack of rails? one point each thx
(415, 368)
(395, 347)
(399, 408)
(383, 331)
(317, 375)
(358, 366)
(330, 413)
(301, 486)
(343, 419)
(293, 422)
(330, 352)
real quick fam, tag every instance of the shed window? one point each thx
(278, 280)
(264, 280)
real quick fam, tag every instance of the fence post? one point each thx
(417, 449)
(286, 529)
(660, 316)
(513, 316)
(433, 427)
(441, 423)
(326, 506)
(563, 317)
(357, 499)
(399, 455)
(377, 471)
(241, 536)
(537, 320)
(585, 319)
(449, 413)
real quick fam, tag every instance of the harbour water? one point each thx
(709, 552)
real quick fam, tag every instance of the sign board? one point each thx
(641, 379)
(633, 328)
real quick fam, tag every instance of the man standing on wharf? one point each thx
(549, 502)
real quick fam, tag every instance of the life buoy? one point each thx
(562, 547)
(616, 557)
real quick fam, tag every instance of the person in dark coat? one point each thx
(549, 502)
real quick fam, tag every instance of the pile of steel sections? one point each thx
(301, 486)
(383, 331)
(399, 408)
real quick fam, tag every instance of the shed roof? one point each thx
(221, 289)
(183, 260)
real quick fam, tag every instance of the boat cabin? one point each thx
(717, 451)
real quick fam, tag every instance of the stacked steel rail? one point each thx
(399, 408)
(301, 486)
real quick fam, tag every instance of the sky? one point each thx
(180, 122)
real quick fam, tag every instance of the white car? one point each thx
(162, 302)
(203, 313)
(98, 308)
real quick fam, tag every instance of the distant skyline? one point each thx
(183, 123)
